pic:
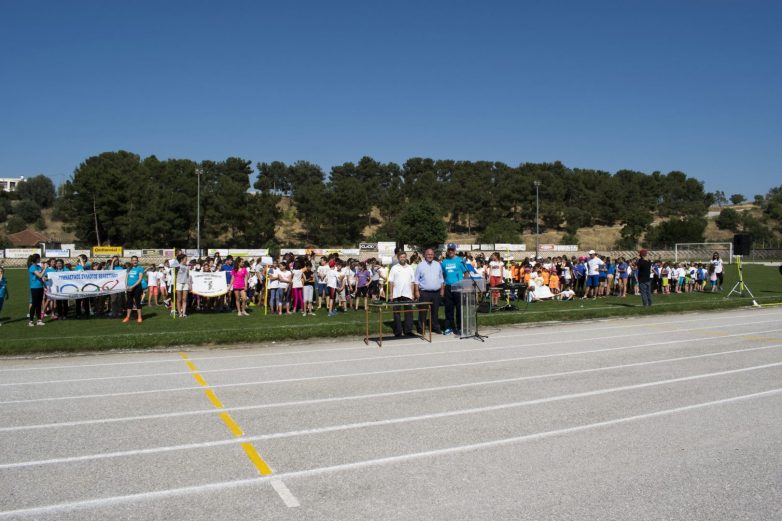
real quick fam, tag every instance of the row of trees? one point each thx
(120, 198)
(492, 200)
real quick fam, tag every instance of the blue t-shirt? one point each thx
(134, 274)
(453, 270)
(3, 287)
(227, 269)
(35, 282)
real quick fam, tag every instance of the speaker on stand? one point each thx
(742, 244)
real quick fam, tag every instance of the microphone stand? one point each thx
(477, 290)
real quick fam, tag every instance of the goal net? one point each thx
(703, 251)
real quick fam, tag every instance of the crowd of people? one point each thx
(307, 283)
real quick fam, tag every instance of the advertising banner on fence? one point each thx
(386, 248)
(57, 253)
(208, 284)
(76, 253)
(257, 252)
(367, 246)
(558, 247)
(106, 251)
(21, 253)
(83, 284)
(133, 253)
(158, 253)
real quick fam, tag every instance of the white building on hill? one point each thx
(8, 184)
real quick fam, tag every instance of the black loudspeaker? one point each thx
(742, 244)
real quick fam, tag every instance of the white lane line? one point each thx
(382, 423)
(104, 502)
(285, 494)
(502, 347)
(317, 401)
(547, 332)
(384, 372)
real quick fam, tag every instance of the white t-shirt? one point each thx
(717, 263)
(331, 278)
(273, 282)
(152, 278)
(345, 274)
(284, 278)
(323, 273)
(298, 279)
(593, 265)
(402, 278)
(495, 268)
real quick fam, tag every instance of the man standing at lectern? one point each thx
(454, 270)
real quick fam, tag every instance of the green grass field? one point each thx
(219, 329)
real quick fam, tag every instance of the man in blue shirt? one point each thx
(135, 276)
(454, 270)
(429, 286)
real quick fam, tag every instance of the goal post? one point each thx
(703, 251)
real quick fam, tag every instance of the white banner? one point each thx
(63, 285)
(21, 253)
(133, 253)
(208, 284)
(558, 247)
(386, 248)
(349, 252)
(76, 253)
(57, 253)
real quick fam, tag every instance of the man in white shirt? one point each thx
(400, 285)
(593, 274)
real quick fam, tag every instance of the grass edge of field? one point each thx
(229, 338)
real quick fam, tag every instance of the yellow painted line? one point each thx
(183, 355)
(199, 379)
(257, 460)
(231, 424)
(191, 366)
(213, 398)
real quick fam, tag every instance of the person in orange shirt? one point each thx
(545, 275)
(515, 272)
(553, 282)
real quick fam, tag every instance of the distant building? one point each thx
(8, 184)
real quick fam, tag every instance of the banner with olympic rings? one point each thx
(62, 285)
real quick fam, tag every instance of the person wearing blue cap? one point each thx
(454, 270)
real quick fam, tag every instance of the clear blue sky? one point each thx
(678, 85)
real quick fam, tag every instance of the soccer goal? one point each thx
(703, 251)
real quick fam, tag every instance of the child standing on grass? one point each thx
(3, 290)
(239, 282)
(297, 288)
(713, 278)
